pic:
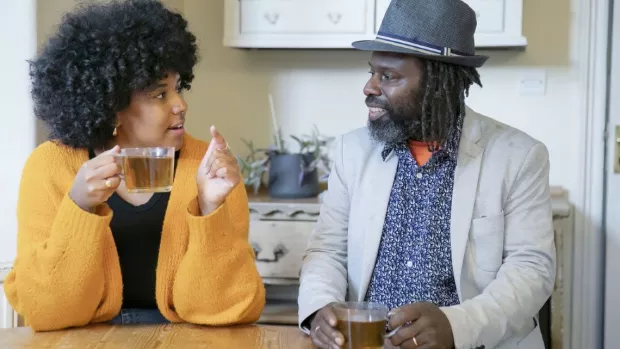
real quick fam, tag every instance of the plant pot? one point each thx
(284, 174)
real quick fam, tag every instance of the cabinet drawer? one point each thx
(382, 6)
(302, 17)
(279, 247)
(490, 15)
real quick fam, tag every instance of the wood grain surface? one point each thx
(160, 337)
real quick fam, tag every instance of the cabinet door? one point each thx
(279, 247)
(381, 7)
(303, 16)
(489, 14)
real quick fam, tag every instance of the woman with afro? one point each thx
(88, 251)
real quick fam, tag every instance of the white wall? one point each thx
(18, 41)
(324, 87)
(333, 100)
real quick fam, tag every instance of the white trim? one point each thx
(612, 189)
(8, 317)
(4, 270)
(591, 39)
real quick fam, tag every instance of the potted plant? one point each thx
(291, 173)
(252, 167)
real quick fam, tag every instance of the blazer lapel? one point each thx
(378, 187)
(464, 191)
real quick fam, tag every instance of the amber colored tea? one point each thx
(144, 174)
(362, 334)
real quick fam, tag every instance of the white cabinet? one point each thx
(380, 8)
(302, 17)
(489, 14)
(278, 245)
(297, 23)
(496, 28)
(337, 23)
(279, 233)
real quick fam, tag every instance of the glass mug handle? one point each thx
(119, 161)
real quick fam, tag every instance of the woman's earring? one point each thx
(115, 132)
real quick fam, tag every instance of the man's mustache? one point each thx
(374, 101)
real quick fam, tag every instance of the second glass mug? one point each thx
(363, 324)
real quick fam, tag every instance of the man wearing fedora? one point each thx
(434, 210)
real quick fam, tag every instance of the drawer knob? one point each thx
(278, 252)
(334, 17)
(272, 18)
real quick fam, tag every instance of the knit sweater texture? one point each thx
(67, 271)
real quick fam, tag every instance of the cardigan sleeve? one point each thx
(57, 279)
(217, 282)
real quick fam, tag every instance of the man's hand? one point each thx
(323, 332)
(424, 326)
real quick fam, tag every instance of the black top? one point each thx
(137, 235)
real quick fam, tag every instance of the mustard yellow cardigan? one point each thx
(67, 271)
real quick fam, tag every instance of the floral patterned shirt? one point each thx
(414, 261)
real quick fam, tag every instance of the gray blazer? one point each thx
(503, 250)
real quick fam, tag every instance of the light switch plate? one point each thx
(533, 82)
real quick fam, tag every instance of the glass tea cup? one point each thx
(147, 170)
(363, 324)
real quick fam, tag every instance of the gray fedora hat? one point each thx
(441, 30)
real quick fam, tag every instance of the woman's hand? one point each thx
(217, 175)
(96, 180)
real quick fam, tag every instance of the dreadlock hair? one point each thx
(443, 104)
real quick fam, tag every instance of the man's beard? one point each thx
(400, 123)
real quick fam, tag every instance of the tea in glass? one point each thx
(147, 170)
(362, 324)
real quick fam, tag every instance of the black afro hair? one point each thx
(99, 56)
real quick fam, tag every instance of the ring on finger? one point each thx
(108, 183)
(226, 148)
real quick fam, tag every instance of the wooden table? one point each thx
(160, 337)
